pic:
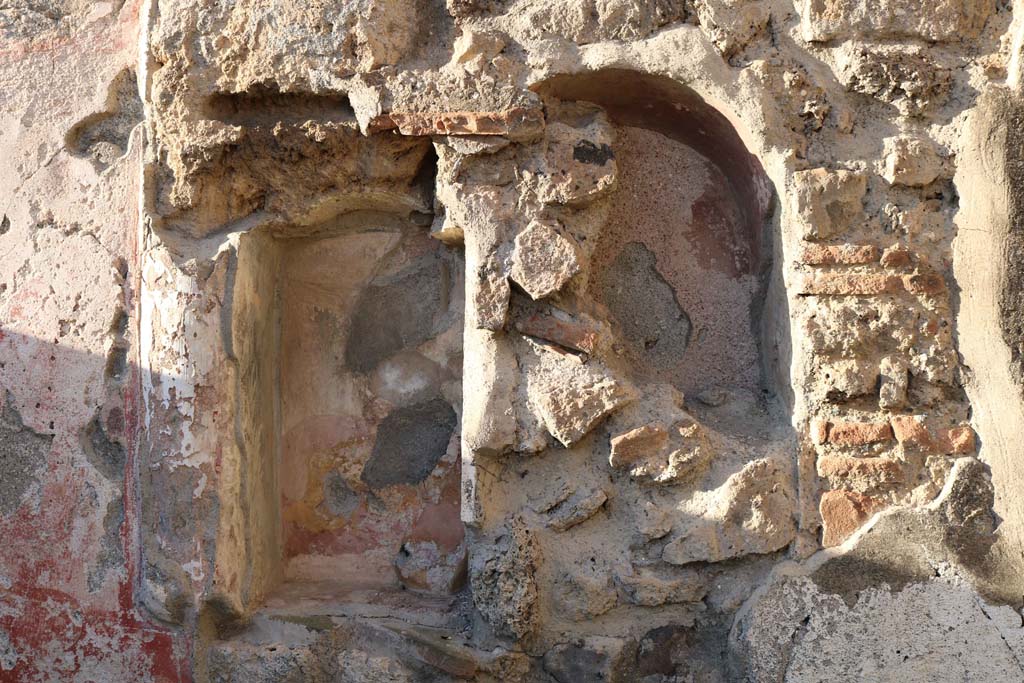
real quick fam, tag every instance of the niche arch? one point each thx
(666, 128)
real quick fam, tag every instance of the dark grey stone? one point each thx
(409, 443)
(111, 554)
(612, 661)
(398, 312)
(587, 152)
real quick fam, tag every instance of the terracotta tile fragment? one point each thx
(842, 513)
(849, 433)
(629, 447)
(572, 334)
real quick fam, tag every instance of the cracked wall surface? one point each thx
(510, 340)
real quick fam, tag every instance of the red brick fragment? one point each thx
(571, 334)
(896, 257)
(843, 512)
(848, 433)
(912, 432)
(957, 440)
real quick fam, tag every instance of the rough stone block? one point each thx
(895, 379)
(360, 666)
(859, 474)
(895, 257)
(577, 510)
(906, 77)
(585, 595)
(516, 123)
(944, 21)
(751, 513)
(543, 259)
(638, 443)
(650, 588)
(579, 163)
(489, 294)
(911, 161)
(827, 203)
(503, 576)
(596, 658)
(652, 522)
(850, 284)
(844, 380)
(732, 25)
(927, 283)
(569, 396)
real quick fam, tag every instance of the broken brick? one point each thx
(842, 513)
(843, 433)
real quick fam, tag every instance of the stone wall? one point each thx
(518, 340)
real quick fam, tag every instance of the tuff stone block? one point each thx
(827, 203)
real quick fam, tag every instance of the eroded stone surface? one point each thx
(657, 327)
(503, 575)
(22, 454)
(828, 19)
(751, 513)
(827, 202)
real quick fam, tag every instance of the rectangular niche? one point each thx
(349, 345)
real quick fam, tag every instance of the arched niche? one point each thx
(688, 236)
